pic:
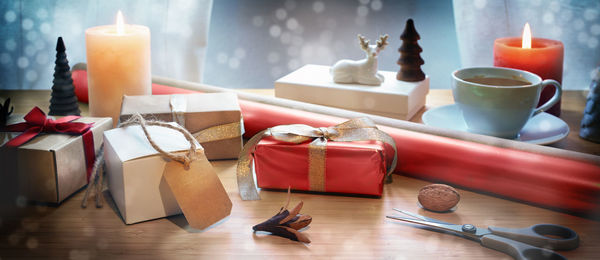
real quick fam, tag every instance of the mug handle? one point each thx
(553, 100)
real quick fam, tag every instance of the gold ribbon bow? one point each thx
(358, 129)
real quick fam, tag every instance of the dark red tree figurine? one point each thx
(590, 123)
(63, 101)
(410, 58)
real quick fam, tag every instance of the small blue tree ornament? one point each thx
(590, 124)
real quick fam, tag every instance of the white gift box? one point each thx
(135, 171)
(393, 98)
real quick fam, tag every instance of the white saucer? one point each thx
(541, 129)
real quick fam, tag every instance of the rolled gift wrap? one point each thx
(545, 180)
(384, 121)
(80, 76)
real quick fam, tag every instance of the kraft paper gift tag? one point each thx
(198, 191)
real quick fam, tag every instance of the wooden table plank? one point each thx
(346, 227)
(343, 227)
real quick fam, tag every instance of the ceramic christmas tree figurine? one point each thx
(63, 101)
(590, 124)
(410, 59)
(362, 71)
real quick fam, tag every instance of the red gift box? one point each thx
(346, 158)
(350, 167)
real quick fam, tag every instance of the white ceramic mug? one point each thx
(495, 110)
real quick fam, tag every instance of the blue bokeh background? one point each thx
(250, 44)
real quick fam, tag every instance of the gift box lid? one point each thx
(133, 144)
(199, 110)
(196, 102)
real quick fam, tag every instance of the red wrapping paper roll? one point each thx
(544, 180)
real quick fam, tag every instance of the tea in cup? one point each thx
(499, 101)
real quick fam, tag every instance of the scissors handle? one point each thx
(518, 250)
(541, 235)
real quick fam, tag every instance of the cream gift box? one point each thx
(213, 118)
(393, 98)
(49, 167)
(136, 175)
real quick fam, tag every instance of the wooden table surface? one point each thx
(343, 227)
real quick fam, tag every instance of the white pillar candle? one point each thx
(118, 63)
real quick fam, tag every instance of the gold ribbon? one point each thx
(359, 129)
(178, 104)
(219, 132)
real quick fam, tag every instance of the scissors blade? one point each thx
(414, 215)
(446, 227)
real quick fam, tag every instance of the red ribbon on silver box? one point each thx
(36, 123)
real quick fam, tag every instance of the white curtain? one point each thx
(574, 22)
(29, 29)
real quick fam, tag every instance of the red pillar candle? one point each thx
(543, 57)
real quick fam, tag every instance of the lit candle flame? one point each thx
(120, 23)
(526, 41)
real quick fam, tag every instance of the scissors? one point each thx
(533, 242)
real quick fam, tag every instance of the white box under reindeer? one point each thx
(393, 98)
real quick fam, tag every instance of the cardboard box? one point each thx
(138, 183)
(198, 112)
(49, 167)
(393, 98)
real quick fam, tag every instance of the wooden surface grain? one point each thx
(343, 227)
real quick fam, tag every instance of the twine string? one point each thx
(186, 158)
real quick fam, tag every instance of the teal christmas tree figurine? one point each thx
(590, 123)
(63, 101)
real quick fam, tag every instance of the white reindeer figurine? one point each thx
(362, 71)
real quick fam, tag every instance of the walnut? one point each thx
(438, 197)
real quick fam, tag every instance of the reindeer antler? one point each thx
(363, 44)
(382, 42)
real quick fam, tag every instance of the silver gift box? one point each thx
(49, 167)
